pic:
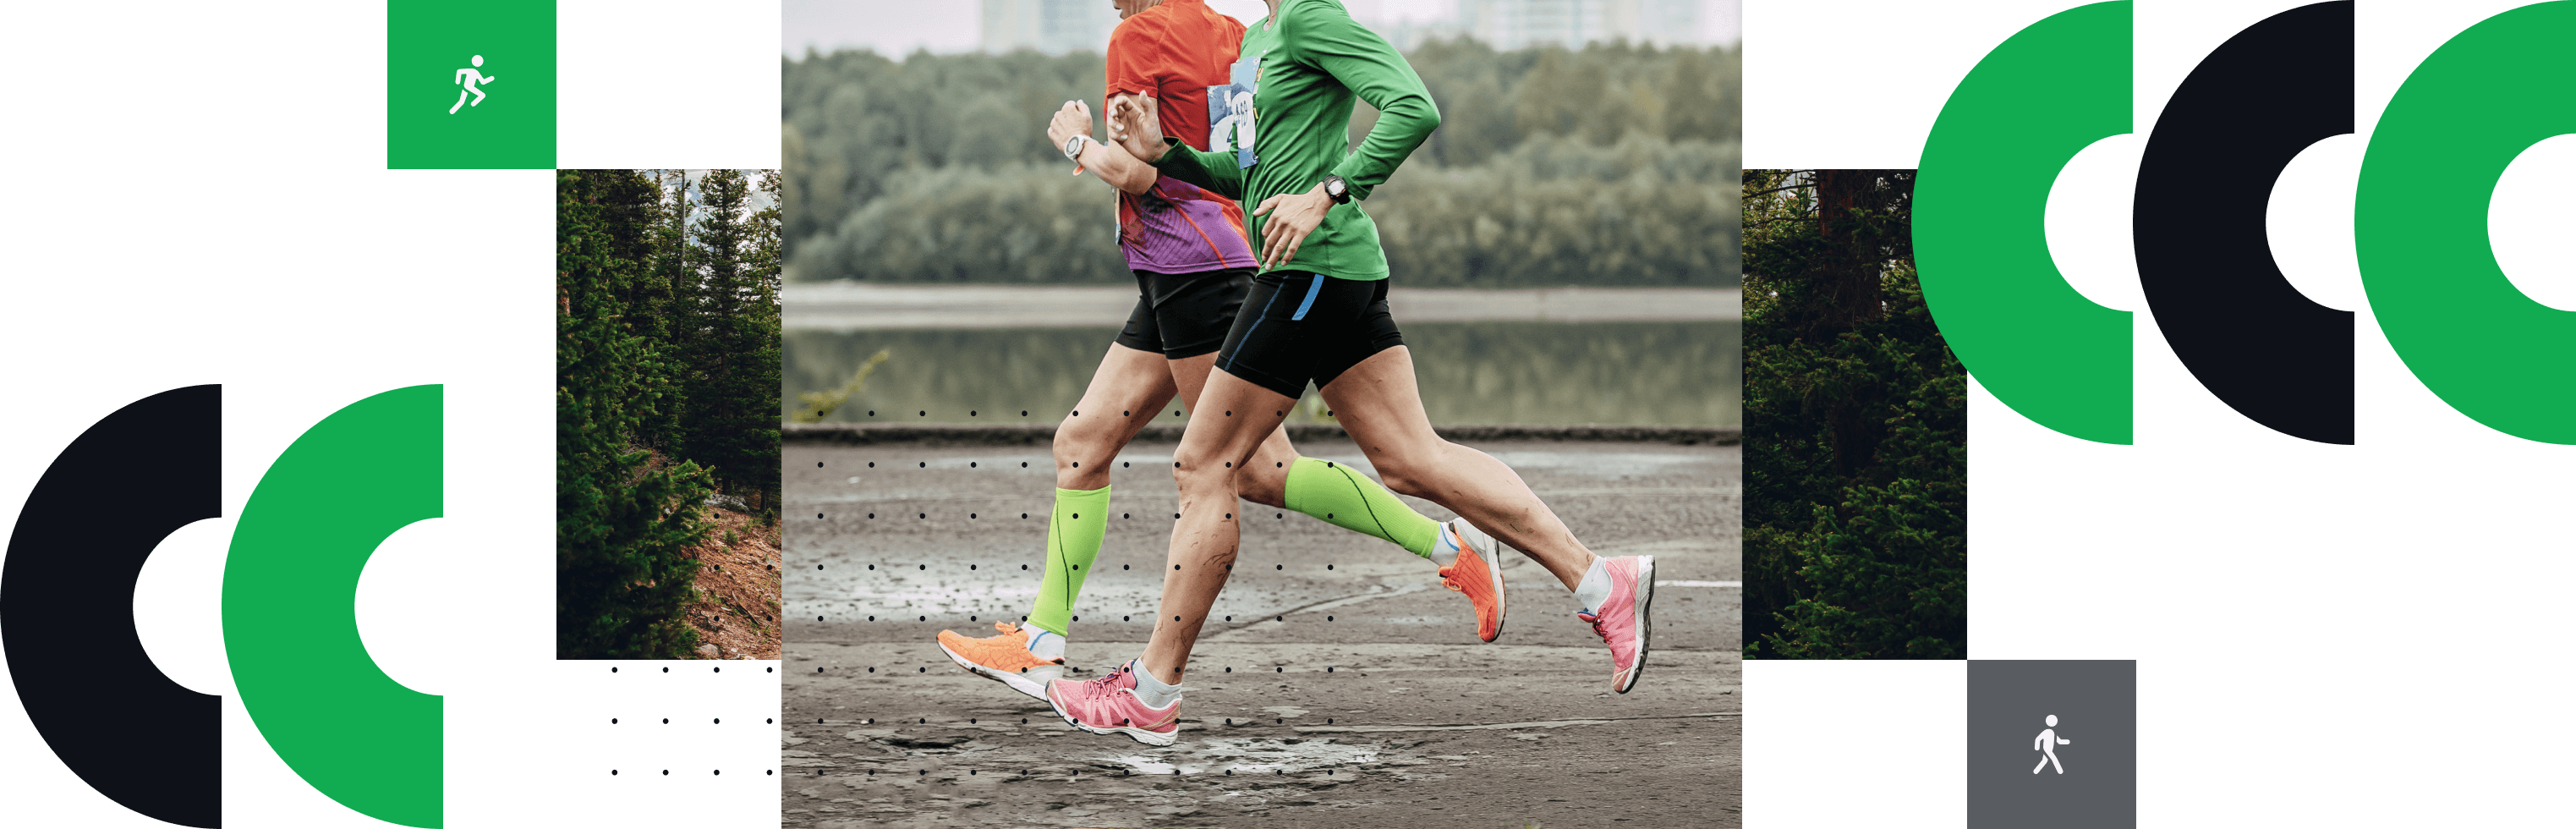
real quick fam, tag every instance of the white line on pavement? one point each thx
(1500, 726)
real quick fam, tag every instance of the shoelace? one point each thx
(1101, 685)
(1449, 538)
(1598, 627)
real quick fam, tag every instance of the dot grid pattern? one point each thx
(947, 537)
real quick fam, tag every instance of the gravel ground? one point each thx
(1349, 691)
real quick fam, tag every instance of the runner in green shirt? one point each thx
(1307, 71)
(1317, 312)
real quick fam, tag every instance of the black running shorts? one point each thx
(1184, 315)
(1299, 326)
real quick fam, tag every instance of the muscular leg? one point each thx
(1205, 538)
(1128, 380)
(1263, 479)
(1379, 404)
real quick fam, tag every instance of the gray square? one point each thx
(2093, 781)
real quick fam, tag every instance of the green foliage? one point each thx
(667, 371)
(1605, 166)
(854, 120)
(821, 404)
(622, 518)
(1856, 454)
(1557, 211)
(1019, 223)
(728, 339)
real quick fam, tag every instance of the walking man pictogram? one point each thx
(469, 77)
(2046, 743)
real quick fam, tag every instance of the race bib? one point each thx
(1230, 111)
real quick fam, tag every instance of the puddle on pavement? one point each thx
(1260, 755)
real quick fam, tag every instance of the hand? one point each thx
(1291, 218)
(1134, 124)
(1071, 120)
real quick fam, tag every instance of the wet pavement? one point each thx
(1347, 679)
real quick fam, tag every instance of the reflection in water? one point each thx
(1520, 373)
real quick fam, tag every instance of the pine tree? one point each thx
(1855, 463)
(731, 346)
(623, 518)
(661, 250)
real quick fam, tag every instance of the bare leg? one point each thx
(1128, 381)
(1205, 538)
(1263, 479)
(1379, 404)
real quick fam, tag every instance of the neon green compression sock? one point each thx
(1074, 532)
(1349, 500)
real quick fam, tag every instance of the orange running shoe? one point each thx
(1004, 658)
(1477, 571)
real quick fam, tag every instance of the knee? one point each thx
(1081, 458)
(1203, 475)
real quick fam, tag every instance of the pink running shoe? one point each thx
(1109, 705)
(1622, 621)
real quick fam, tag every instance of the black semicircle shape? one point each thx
(2204, 253)
(113, 718)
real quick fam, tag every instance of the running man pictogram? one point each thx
(2046, 743)
(470, 76)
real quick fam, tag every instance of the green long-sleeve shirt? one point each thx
(1310, 62)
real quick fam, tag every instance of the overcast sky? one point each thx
(897, 27)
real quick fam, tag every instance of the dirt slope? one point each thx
(736, 613)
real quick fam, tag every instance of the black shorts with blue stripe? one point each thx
(1297, 326)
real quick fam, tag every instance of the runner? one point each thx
(1192, 267)
(469, 77)
(1317, 311)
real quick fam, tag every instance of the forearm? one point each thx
(1114, 165)
(1402, 125)
(1376, 73)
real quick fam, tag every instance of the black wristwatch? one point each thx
(1337, 189)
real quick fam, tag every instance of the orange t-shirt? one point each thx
(1174, 52)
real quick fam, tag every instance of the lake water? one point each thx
(1471, 373)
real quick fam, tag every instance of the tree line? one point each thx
(1610, 165)
(667, 374)
(1855, 414)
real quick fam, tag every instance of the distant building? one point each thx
(1054, 27)
(1515, 24)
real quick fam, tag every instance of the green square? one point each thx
(427, 45)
